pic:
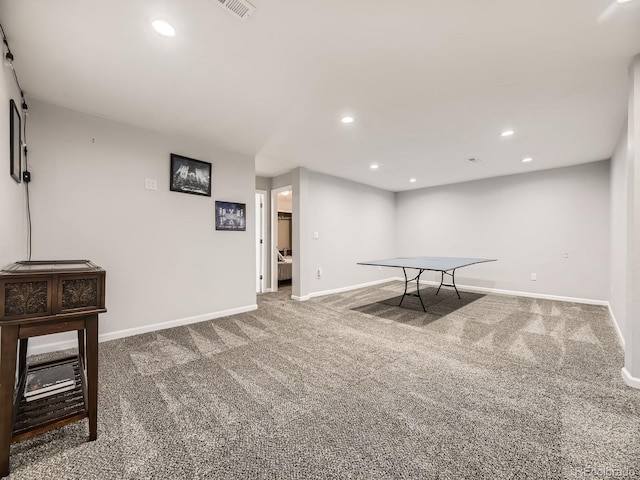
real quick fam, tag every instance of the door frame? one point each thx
(274, 233)
(261, 196)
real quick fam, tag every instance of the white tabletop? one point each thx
(440, 264)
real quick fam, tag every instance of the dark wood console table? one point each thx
(42, 298)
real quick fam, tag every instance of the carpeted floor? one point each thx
(351, 386)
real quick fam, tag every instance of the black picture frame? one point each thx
(190, 176)
(231, 216)
(15, 142)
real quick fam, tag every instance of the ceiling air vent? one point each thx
(238, 8)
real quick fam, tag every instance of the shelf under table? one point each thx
(53, 411)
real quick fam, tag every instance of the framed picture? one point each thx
(231, 216)
(190, 176)
(15, 142)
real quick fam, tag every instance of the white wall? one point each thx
(631, 371)
(618, 225)
(165, 261)
(263, 183)
(528, 222)
(354, 224)
(12, 196)
(284, 180)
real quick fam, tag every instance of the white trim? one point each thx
(301, 299)
(129, 332)
(352, 287)
(630, 380)
(175, 323)
(53, 347)
(616, 326)
(472, 289)
(260, 235)
(521, 294)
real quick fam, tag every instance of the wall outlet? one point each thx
(534, 277)
(151, 184)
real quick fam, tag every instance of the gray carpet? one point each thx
(351, 386)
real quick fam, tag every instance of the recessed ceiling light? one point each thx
(374, 166)
(527, 160)
(412, 180)
(507, 133)
(624, 1)
(347, 119)
(163, 28)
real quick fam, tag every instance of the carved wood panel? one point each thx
(79, 293)
(25, 298)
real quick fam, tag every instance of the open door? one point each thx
(260, 243)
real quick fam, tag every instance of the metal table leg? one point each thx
(406, 284)
(452, 284)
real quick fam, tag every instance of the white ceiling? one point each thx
(430, 83)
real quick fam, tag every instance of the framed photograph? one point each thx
(190, 176)
(15, 142)
(231, 216)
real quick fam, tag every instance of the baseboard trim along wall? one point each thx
(630, 380)
(304, 298)
(515, 293)
(346, 289)
(129, 332)
(616, 326)
(468, 288)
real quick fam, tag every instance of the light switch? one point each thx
(316, 235)
(151, 184)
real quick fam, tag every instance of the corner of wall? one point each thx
(630, 380)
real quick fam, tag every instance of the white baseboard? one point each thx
(129, 332)
(304, 298)
(616, 326)
(54, 346)
(519, 294)
(175, 323)
(352, 287)
(630, 380)
(462, 287)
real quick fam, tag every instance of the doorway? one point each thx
(281, 237)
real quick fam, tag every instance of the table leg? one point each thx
(406, 284)
(452, 284)
(91, 322)
(418, 291)
(9, 345)
(81, 348)
(22, 355)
